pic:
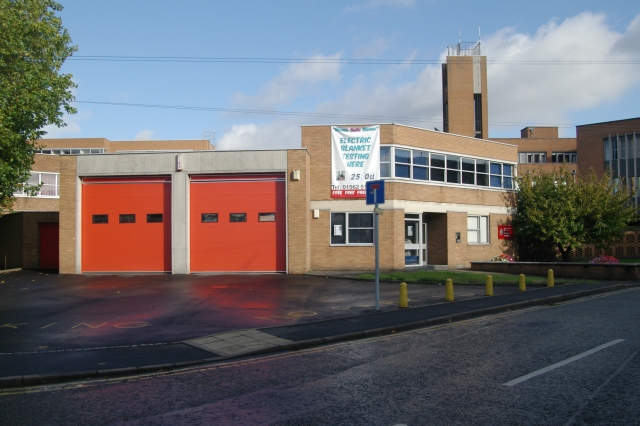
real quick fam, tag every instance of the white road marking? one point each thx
(562, 363)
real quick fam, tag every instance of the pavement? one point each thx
(57, 328)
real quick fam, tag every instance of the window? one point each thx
(564, 157)
(352, 228)
(482, 173)
(532, 157)
(49, 185)
(100, 218)
(507, 173)
(496, 175)
(477, 227)
(154, 218)
(385, 162)
(607, 152)
(69, 151)
(237, 217)
(453, 169)
(468, 171)
(437, 167)
(127, 218)
(403, 163)
(420, 165)
(209, 217)
(266, 217)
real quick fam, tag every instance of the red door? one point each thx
(238, 223)
(49, 244)
(126, 224)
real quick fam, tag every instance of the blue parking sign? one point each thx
(375, 192)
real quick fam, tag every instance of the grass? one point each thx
(463, 277)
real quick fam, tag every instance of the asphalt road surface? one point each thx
(40, 312)
(574, 363)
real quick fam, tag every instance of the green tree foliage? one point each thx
(33, 92)
(563, 211)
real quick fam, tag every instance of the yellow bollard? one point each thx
(522, 283)
(550, 282)
(489, 291)
(403, 301)
(449, 290)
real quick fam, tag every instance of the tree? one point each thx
(563, 211)
(33, 91)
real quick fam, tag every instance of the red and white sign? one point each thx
(505, 232)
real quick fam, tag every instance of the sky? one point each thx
(550, 62)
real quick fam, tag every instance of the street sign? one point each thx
(375, 192)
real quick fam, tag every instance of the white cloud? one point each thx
(548, 93)
(72, 128)
(521, 94)
(296, 80)
(144, 135)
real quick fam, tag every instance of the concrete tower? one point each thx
(464, 91)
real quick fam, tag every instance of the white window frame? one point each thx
(477, 234)
(345, 230)
(22, 193)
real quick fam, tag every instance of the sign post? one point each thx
(375, 196)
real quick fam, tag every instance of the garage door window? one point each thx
(100, 218)
(237, 217)
(266, 217)
(209, 218)
(127, 218)
(154, 218)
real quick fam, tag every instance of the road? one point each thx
(451, 374)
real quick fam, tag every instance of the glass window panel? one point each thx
(266, 217)
(237, 217)
(482, 179)
(209, 217)
(411, 234)
(154, 218)
(482, 166)
(614, 146)
(360, 220)
(402, 170)
(453, 162)
(360, 236)
(607, 153)
(469, 164)
(468, 178)
(34, 179)
(437, 175)
(48, 190)
(623, 148)
(48, 178)
(127, 218)
(484, 220)
(421, 158)
(385, 154)
(453, 176)
(420, 173)
(507, 169)
(522, 158)
(385, 170)
(507, 182)
(100, 218)
(338, 231)
(472, 222)
(403, 156)
(437, 160)
(496, 168)
(496, 181)
(472, 236)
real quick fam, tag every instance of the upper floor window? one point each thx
(70, 151)
(532, 157)
(50, 185)
(564, 157)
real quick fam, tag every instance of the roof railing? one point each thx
(464, 49)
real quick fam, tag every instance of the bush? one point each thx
(502, 258)
(604, 259)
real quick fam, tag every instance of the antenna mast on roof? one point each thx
(211, 137)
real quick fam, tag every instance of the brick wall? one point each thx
(539, 132)
(590, 142)
(298, 213)
(68, 207)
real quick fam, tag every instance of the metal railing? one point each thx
(464, 49)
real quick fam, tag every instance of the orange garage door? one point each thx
(126, 224)
(238, 223)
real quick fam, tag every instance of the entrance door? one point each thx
(412, 241)
(49, 233)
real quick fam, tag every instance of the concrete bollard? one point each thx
(449, 290)
(489, 291)
(550, 282)
(522, 283)
(403, 300)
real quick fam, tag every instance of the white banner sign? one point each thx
(355, 159)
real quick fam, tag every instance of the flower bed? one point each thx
(502, 258)
(604, 260)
